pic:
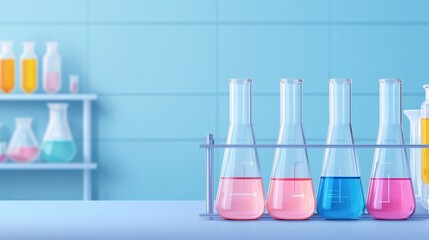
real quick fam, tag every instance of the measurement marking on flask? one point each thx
(296, 192)
(337, 193)
(243, 194)
(388, 191)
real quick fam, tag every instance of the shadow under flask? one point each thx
(391, 194)
(340, 193)
(291, 193)
(23, 146)
(240, 192)
(58, 144)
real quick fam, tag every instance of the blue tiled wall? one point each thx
(161, 69)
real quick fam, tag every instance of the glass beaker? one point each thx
(240, 192)
(340, 193)
(58, 144)
(52, 68)
(415, 153)
(23, 146)
(7, 67)
(28, 68)
(291, 193)
(391, 194)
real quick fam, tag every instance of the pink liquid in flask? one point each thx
(240, 198)
(391, 198)
(23, 154)
(291, 198)
(3, 158)
(52, 83)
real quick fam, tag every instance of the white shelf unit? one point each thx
(86, 165)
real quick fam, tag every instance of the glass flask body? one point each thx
(391, 194)
(291, 192)
(28, 68)
(58, 144)
(23, 146)
(240, 191)
(7, 67)
(52, 68)
(340, 194)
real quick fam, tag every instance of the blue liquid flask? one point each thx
(340, 193)
(58, 144)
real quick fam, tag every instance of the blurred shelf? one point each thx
(47, 97)
(48, 166)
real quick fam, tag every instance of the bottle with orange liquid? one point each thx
(291, 193)
(7, 67)
(424, 128)
(28, 68)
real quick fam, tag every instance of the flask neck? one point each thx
(29, 48)
(241, 101)
(57, 113)
(6, 49)
(52, 47)
(390, 102)
(340, 101)
(291, 101)
(426, 92)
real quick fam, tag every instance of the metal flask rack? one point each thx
(209, 146)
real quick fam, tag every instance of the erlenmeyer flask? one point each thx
(240, 192)
(291, 193)
(23, 146)
(340, 193)
(58, 144)
(390, 193)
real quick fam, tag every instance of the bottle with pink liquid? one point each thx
(23, 146)
(291, 193)
(391, 194)
(240, 192)
(52, 68)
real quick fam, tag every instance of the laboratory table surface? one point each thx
(178, 220)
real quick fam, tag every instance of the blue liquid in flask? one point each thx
(340, 198)
(58, 151)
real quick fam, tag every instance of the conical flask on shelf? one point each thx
(58, 144)
(340, 193)
(391, 194)
(240, 192)
(291, 193)
(23, 146)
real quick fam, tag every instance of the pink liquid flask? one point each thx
(291, 193)
(240, 192)
(391, 194)
(391, 198)
(291, 198)
(240, 198)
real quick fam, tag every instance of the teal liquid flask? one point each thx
(58, 144)
(390, 194)
(340, 193)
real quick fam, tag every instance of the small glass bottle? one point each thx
(74, 84)
(52, 68)
(7, 67)
(28, 68)
(58, 144)
(23, 146)
(340, 193)
(240, 191)
(291, 193)
(391, 194)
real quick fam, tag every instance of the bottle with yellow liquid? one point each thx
(28, 68)
(424, 128)
(7, 67)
